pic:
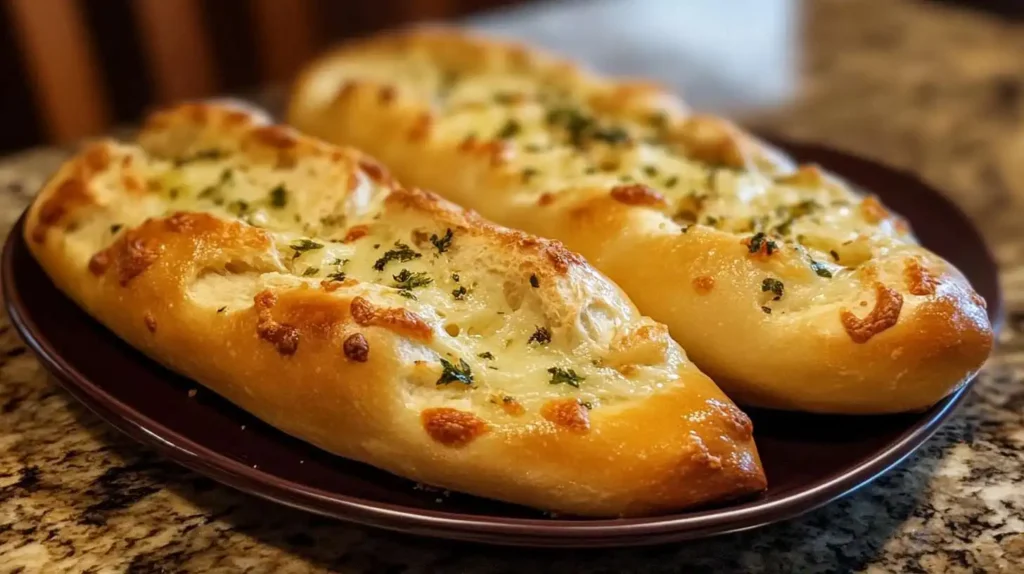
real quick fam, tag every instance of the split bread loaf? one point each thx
(787, 287)
(383, 324)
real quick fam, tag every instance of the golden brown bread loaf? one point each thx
(783, 284)
(384, 324)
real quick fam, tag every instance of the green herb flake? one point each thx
(835, 256)
(407, 280)
(222, 309)
(565, 376)
(407, 294)
(455, 374)
(337, 276)
(767, 310)
(587, 405)
(529, 173)
(671, 182)
(442, 243)
(460, 293)
(650, 171)
(279, 196)
(486, 355)
(311, 271)
(610, 135)
(455, 277)
(509, 130)
(201, 155)
(774, 286)
(760, 241)
(401, 252)
(303, 245)
(820, 269)
(115, 227)
(534, 282)
(541, 336)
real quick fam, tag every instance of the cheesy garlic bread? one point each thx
(789, 288)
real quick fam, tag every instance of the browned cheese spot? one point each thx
(872, 210)
(132, 183)
(703, 284)
(386, 94)
(135, 254)
(99, 263)
(180, 221)
(356, 348)
(374, 170)
(346, 90)
(736, 421)
(69, 194)
(421, 127)
(97, 158)
(711, 140)
(150, 321)
(637, 194)
(332, 285)
(452, 427)
(276, 137)
(568, 414)
(356, 232)
(805, 176)
(396, 319)
(886, 312)
(285, 338)
(546, 199)
(920, 280)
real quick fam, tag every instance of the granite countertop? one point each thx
(922, 86)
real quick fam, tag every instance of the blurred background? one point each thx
(74, 68)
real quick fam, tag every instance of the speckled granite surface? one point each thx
(931, 89)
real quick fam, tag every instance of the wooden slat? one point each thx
(178, 49)
(287, 35)
(416, 10)
(63, 67)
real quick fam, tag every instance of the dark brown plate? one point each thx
(810, 460)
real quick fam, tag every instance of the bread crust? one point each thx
(189, 246)
(690, 215)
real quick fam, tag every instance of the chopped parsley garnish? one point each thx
(803, 208)
(455, 374)
(455, 277)
(760, 241)
(460, 293)
(820, 269)
(407, 281)
(528, 173)
(115, 227)
(486, 355)
(239, 207)
(784, 227)
(303, 245)
(407, 294)
(711, 220)
(401, 252)
(279, 196)
(311, 271)
(773, 285)
(835, 256)
(337, 276)
(684, 228)
(222, 309)
(509, 130)
(650, 171)
(611, 135)
(508, 399)
(671, 182)
(442, 243)
(534, 282)
(658, 120)
(767, 310)
(565, 376)
(541, 336)
(587, 405)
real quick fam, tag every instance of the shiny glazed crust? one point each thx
(786, 286)
(384, 324)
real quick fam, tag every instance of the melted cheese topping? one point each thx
(559, 138)
(506, 333)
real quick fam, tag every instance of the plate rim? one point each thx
(494, 529)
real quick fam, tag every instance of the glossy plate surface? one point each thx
(809, 460)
